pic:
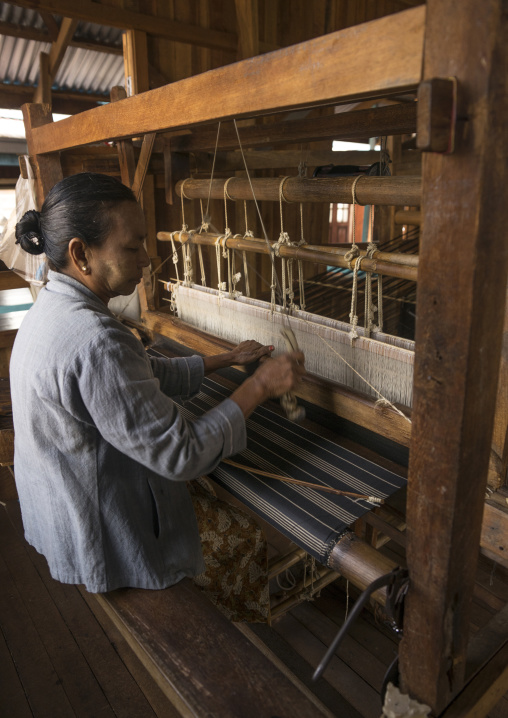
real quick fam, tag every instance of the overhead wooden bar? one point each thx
(279, 159)
(385, 264)
(368, 190)
(359, 125)
(329, 69)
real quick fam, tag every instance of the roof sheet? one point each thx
(86, 71)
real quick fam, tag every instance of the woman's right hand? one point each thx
(273, 378)
(281, 374)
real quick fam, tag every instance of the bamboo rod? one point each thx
(325, 577)
(369, 190)
(408, 216)
(281, 564)
(307, 253)
(360, 563)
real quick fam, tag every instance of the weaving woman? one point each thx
(102, 453)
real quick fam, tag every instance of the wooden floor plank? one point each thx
(74, 675)
(40, 680)
(156, 698)
(368, 634)
(345, 681)
(13, 701)
(122, 695)
(359, 659)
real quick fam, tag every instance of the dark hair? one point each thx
(77, 206)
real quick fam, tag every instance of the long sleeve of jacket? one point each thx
(114, 379)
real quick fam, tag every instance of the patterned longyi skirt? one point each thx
(235, 554)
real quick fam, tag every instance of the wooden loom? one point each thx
(454, 399)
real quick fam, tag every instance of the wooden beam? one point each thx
(42, 92)
(124, 147)
(32, 33)
(58, 48)
(329, 68)
(460, 313)
(283, 159)
(247, 21)
(157, 26)
(51, 24)
(11, 280)
(142, 166)
(357, 125)
(135, 61)
(13, 96)
(48, 167)
(56, 55)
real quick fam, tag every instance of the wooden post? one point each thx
(137, 80)
(135, 62)
(48, 167)
(247, 20)
(43, 91)
(460, 311)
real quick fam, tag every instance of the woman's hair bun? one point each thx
(29, 234)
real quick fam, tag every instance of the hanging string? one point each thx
(227, 233)
(222, 286)
(283, 239)
(203, 228)
(207, 213)
(301, 288)
(379, 326)
(353, 255)
(370, 308)
(248, 233)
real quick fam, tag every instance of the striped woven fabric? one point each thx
(313, 519)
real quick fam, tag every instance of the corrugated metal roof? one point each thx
(81, 70)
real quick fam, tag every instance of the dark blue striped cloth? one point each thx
(314, 520)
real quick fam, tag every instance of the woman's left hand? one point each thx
(248, 352)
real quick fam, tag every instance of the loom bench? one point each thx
(200, 660)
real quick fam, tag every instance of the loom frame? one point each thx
(459, 396)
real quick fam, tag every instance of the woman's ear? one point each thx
(77, 255)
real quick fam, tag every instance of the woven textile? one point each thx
(314, 520)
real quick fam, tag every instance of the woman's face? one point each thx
(116, 266)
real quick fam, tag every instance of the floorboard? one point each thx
(55, 654)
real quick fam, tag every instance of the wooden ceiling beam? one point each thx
(12, 97)
(32, 33)
(329, 69)
(129, 20)
(56, 55)
(51, 24)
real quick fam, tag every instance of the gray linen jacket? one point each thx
(102, 452)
